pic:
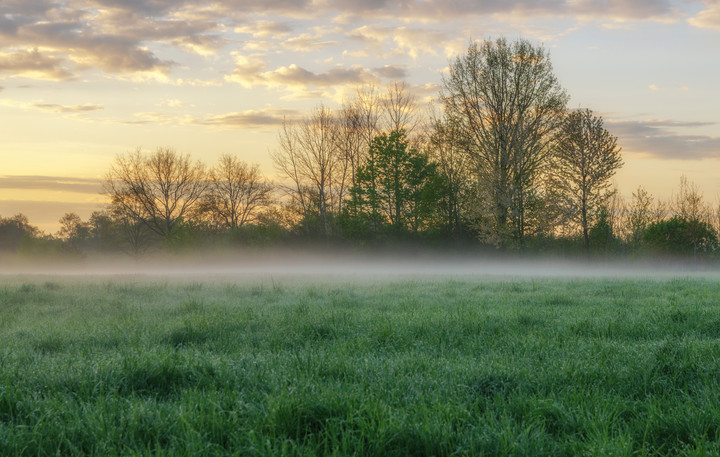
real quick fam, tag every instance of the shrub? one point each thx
(677, 236)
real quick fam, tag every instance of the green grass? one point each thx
(419, 368)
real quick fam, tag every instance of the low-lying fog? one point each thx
(356, 264)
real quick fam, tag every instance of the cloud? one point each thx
(52, 107)
(668, 123)
(33, 64)
(246, 119)
(307, 42)
(247, 69)
(391, 71)
(426, 93)
(624, 9)
(294, 75)
(708, 18)
(264, 29)
(55, 108)
(204, 45)
(373, 36)
(660, 139)
(415, 42)
(250, 118)
(51, 183)
(250, 71)
(129, 36)
(442, 10)
(75, 32)
(153, 117)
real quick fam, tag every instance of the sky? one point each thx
(82, 81)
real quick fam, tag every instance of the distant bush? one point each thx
(677, 236)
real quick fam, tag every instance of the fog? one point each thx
(339, 264)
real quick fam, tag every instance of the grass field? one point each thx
(407, 367)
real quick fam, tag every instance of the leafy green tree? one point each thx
(396, 189)
(105, 231)
(74, 232)
(678, 236)
(15, 229)
(602, 238)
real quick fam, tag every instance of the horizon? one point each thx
(84, 81)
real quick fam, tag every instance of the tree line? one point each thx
(500, 162)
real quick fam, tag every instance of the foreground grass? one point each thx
(544, 367)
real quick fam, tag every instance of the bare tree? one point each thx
(157, 190)
(368, 104)
(587, 157)
(507, 103)
(136, 235)
(309, 157)
(446, 147)
(643, 210)
(236, 192)
(688, 204)
(400, 109)
(357, 123)
(350, 138)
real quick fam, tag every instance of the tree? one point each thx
(309, 157)
(157, 190)
(507, 103)
(447, 148)
(602, 233)
(396, 188)
(642, 212)
(74, 232)
(14, 230)
(236, 192)
(688, 204)
(350, 138)
(105, 231)
(678, 236)
(357, 123)
(400, 108)
(586, 157)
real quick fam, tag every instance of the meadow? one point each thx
(419, 367)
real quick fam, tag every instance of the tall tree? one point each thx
(587, 157)
(397, 187)
(309, 157)
(158, 190)
(350, 137)
(446, 147)
(507, 103)
(236, 192)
